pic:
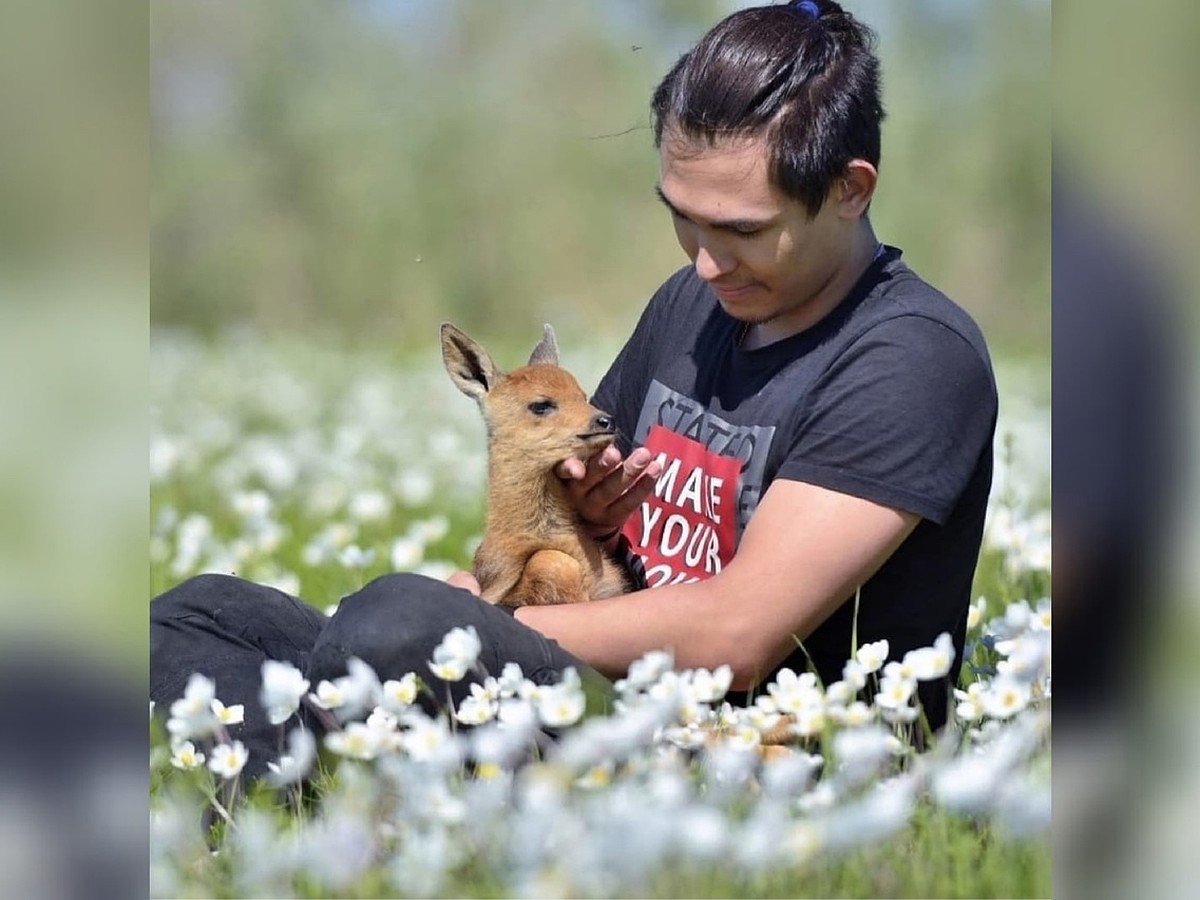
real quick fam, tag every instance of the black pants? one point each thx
(225, 628)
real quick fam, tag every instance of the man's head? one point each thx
(803, 78)
(768, 136)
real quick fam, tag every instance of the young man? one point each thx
(811, 423)
(816, 422)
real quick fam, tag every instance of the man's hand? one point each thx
(605, 489)
(466, 581)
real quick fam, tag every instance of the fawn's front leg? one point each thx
(550, 576)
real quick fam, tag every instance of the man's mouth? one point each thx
(732, 292)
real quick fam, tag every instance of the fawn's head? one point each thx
(536, 415)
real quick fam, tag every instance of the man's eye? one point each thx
(746, 230)
(542, 407)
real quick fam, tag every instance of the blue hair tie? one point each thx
(807, 7)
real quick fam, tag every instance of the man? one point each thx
(813, 423)
(822, 419)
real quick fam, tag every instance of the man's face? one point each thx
(765, 259)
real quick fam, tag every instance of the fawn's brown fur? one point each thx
(535, 549)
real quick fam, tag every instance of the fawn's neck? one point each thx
(532, 502)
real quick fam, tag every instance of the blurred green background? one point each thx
(355, 173)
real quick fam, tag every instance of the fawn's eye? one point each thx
(542, 407)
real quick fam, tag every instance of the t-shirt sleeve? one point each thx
(901, 418)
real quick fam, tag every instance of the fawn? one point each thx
(535, 549)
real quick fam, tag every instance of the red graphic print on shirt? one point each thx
(685, 529)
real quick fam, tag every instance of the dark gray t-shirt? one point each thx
(890, 398)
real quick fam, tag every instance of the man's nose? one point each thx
(711, 264)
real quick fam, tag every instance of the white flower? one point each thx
(360, 687)
(900, 671)
(894, 692)
(966, 783)
(1041, 616)
(350, 695)
(1005, 697)
(510, 679)
(872, 656)
(792, 692)
(895, 746)
(810, 721)
(976, 612)
(328, 695)
(399, 695)
(708, 687)
(480, 706)
(929, 663)
(355, 557)
(252, 505)
(414, 487)
(382, 721)
(561, 705)
(282, 688)
(1028, 655)
(428, 740)
(898, 715)
(228, 715)
(647, 670)
(1017, 616)
(839, 693)
(456, 654)
(861, 751)
(970, 702)
(294, 765)
(788, 774)
(742, 737)
(857, 713)
(431, 530)
(854, 674)
(184, 756)
(762, 715)
(192, 714)
(369, 506)
(406, 553)
(228, 759)
(357, 741)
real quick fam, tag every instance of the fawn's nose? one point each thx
(603, 422)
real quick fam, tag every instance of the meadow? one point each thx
(315, 470)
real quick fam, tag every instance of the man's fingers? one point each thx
(464, 580)
(621, 479)
(633, 497)
(571, 469)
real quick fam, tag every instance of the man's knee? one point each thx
(201, 594)
(402, 608)
(393, 622)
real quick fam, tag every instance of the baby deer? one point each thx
(535, 549)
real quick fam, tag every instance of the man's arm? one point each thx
(805, 550)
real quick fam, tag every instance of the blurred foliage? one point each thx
(359, 172)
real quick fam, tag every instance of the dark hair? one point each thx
(809, 84)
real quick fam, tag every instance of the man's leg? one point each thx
(225, 628)
(395, 622)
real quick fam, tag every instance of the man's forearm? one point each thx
(690, 620)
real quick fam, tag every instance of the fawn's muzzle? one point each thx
(601, 425)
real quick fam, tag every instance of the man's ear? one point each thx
(855, 188)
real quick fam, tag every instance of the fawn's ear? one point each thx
(547, 349)
(470, 367)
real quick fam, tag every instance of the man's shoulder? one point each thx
(903, 300)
